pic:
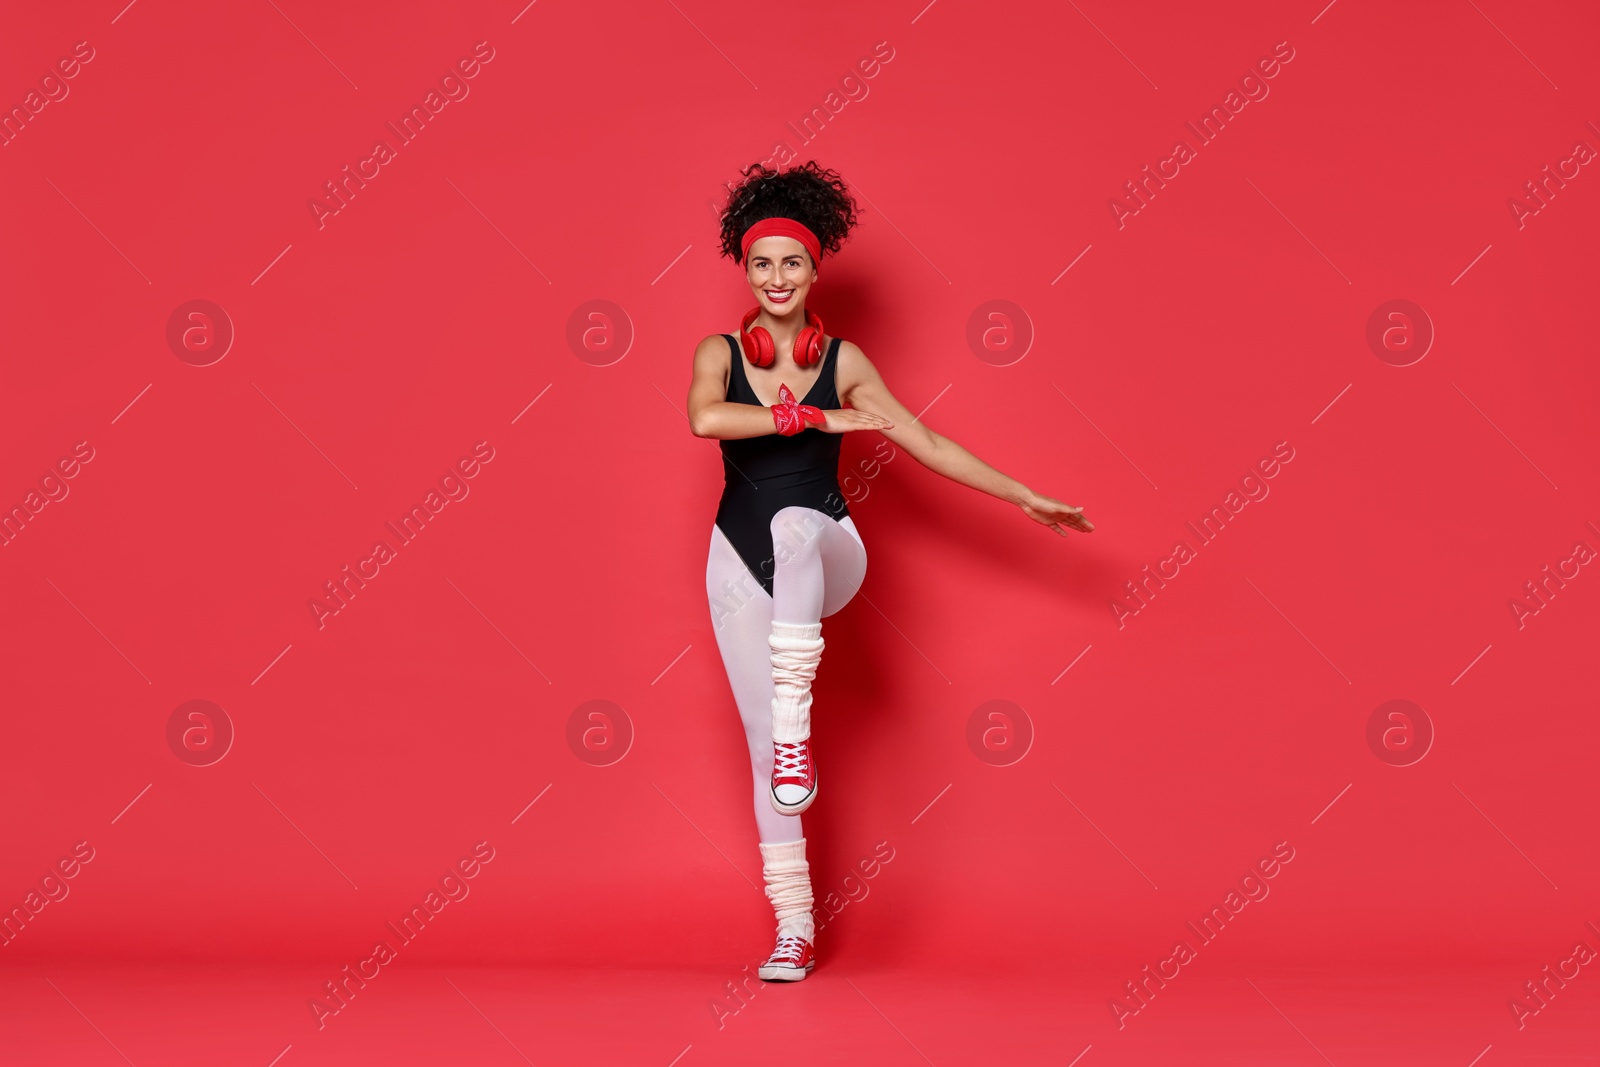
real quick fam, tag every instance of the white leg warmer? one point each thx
(796, 651)
(788, 877)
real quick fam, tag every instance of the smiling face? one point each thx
(780, 273)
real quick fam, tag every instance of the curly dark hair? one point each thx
(806, 193)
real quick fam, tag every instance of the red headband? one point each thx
(780, 227)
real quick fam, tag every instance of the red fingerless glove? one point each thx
(790, 416)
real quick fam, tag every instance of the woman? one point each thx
(785, 552)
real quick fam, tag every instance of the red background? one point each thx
(375, 350)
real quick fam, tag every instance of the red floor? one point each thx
(184, 1014)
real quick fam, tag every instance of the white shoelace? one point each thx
(788, 950)
(789, 758)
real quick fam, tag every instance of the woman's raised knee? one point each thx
(797, 533)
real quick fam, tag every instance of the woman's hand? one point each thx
(1054, 514)
(843, 420)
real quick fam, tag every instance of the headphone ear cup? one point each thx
(762, 350)
(807, 346)
(808, 343)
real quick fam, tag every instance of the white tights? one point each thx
(818, 564)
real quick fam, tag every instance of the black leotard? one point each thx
(762, 475)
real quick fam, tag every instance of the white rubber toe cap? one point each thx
(792, 799)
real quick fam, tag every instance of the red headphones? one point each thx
(758, 342)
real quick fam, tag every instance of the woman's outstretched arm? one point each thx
(861, 386)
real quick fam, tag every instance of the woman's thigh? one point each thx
(741, 610)
(844, 563)
(821, 560)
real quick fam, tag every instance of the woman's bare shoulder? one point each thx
(851, 351)
(713, 360)
(713, 349)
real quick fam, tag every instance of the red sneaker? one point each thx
(791, 961)
(794, 777)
